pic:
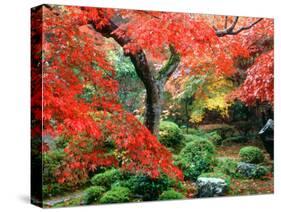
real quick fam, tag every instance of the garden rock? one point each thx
(211, 187)
(250, 170)
(246, 169)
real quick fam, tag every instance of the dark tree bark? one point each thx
(154, 85)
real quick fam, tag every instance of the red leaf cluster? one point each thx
(71, 59)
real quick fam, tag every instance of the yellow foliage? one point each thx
(211, 96)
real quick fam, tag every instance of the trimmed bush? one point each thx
(117, 194)
(251, 154)
(171, 194)
(199, 147)
(195, 158)
(169, 134)
(147, 188)
(106, 178)
(93, 194)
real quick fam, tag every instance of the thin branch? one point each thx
(230, 29)
(247, 27)
(225, 21)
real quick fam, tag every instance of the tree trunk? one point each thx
(154, 85)
(153, 108)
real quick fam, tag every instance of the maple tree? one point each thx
(80, 97)
(72, 62)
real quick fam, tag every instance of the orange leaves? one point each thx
(258, 85)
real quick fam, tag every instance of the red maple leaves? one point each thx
(258, 85)
(72, 60)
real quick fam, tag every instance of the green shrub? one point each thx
(199, 147)
(260, 172)
(147, 188)
(93, 194)
(53, 189)
(194, 131)
(235, 139)
(192, 137)
(224, 130)
(229, 167)
(51, 161)
(170, 134)
(195, 158)
(171, 194)
(214, 137)
(200, 135)
(217, 175)
(116, 195)
(106, 178)
(251, 154)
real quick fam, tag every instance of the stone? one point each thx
(250, 170)
(211, 187)
(246, 169)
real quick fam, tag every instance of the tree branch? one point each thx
(247, 27)
(230, 30)
(225, 21)
(138, 59)
(168, 69)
